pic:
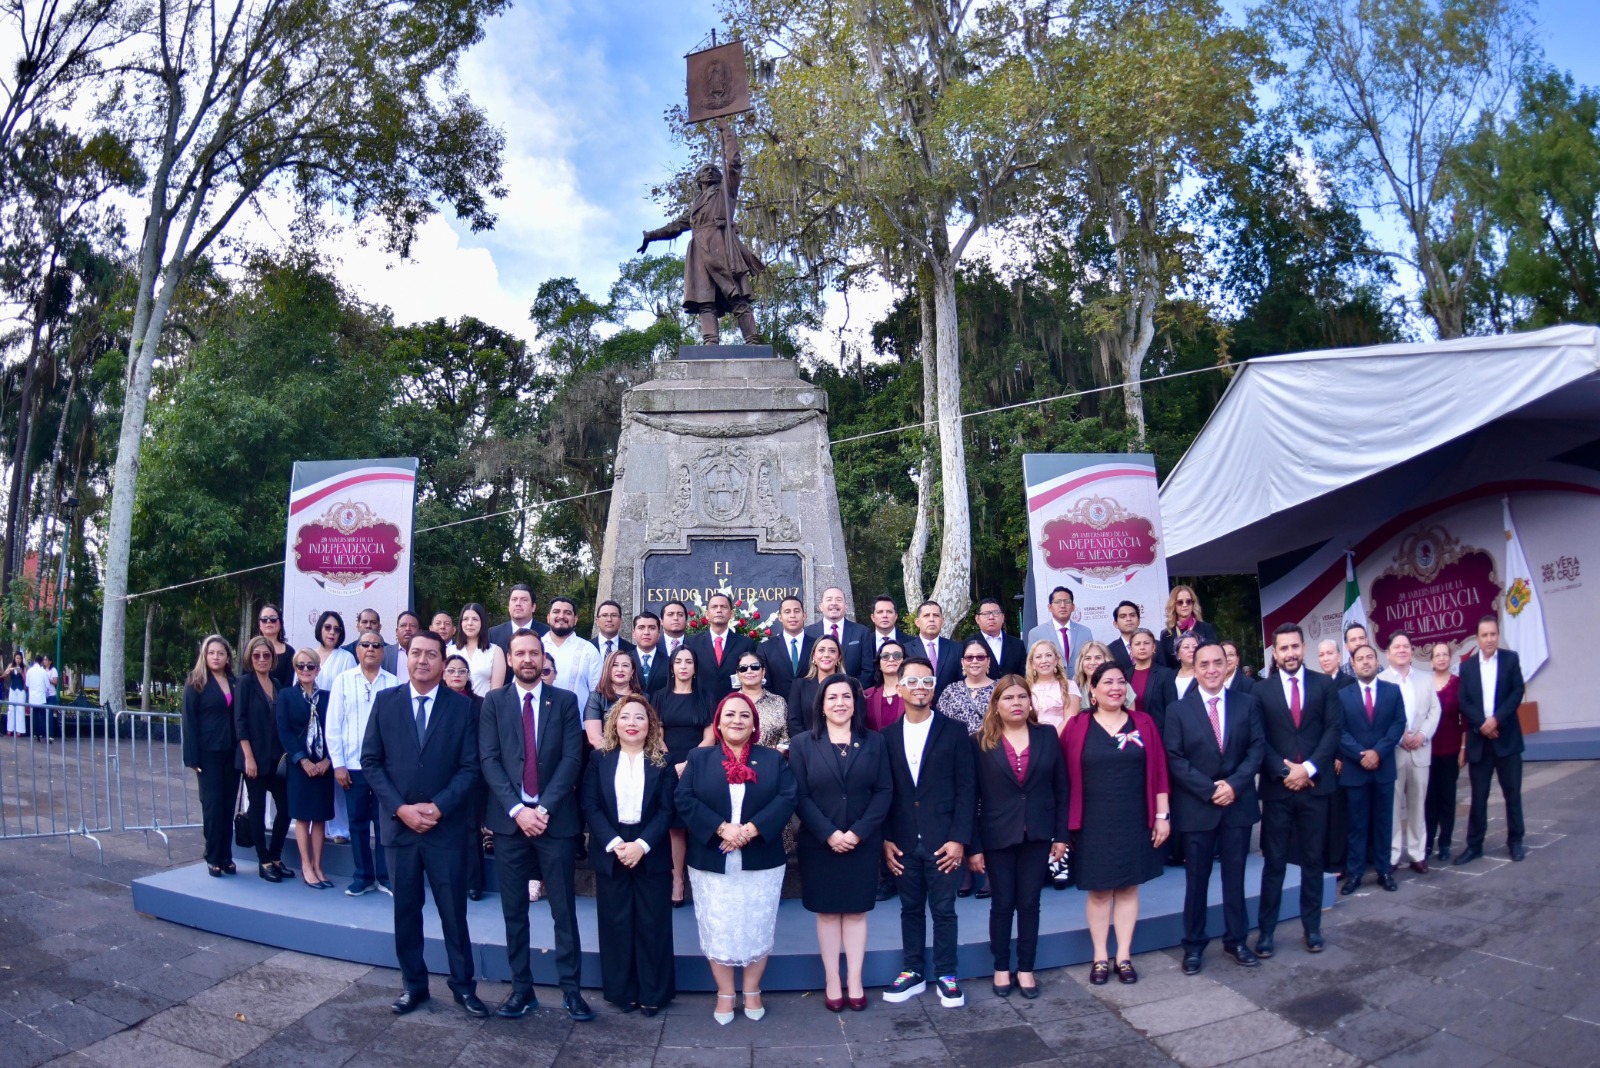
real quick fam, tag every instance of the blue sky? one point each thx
(579, 90)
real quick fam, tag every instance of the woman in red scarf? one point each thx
(735, 797)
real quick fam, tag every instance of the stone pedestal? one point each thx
(723, 478)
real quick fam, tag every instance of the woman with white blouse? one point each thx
(486, 660)
(628, 800)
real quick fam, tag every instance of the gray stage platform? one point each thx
(1574, 743)
(326, 923)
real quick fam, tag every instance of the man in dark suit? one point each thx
(943, 653)
(930, 820)
(1374, 719)
(1491, 691)
(885, 628)
(719, 648)
(1006, 654)
(420, 758)
(1301, 722)
(855, 642)
(531, 749)
(787, 653)
(1214, 750)
(521, 605)
(655, 669)
(406, 625)
(1127, 618)
(608, 630)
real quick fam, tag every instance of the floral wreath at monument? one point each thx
(746, 619)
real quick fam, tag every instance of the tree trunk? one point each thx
(144, 681)
(911, 560)
(952, 588)
(247, 605)
(124, 487)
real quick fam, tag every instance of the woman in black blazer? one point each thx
(843, 790)
(1183, 617)
(255, 721)
(826, 656)
(628, 800)
(208, 747)
(1023, 808)
(735, 798)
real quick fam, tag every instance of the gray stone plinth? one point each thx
(726, 448)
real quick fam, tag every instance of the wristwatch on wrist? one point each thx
(1163, 815)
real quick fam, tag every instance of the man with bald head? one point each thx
(854, 639)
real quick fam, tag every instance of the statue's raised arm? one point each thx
(718, 264)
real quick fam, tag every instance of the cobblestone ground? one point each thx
(1493, 964)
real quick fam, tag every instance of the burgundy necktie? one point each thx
(833, 632)
(1216, 721)
(1294, 700)
(530, 758)
(1367, 693)
(1066, 646)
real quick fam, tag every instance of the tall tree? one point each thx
(929, 118)
(1393, 90)
(339, 102)
(1538, 175)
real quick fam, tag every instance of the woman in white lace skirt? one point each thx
(735, 798)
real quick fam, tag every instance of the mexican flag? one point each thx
(1355, 613)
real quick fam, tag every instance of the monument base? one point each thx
(726, 352)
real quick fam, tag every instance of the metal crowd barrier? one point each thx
(75, 772)
(57, 766)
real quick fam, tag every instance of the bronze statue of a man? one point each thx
(718, 265)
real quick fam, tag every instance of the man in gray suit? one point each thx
(1068, 637)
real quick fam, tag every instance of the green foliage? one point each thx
(1538, 174)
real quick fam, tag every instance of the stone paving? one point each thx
(1493, 964)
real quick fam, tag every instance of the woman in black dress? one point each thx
(1021, 824)
(1118, 770)
(685, 712)
(269, 625)
(208, 747)
(255, 720)
(842, 793)
(302, 723)
(1183, 618)
(629, 796)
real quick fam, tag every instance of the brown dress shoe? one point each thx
(1420, 867)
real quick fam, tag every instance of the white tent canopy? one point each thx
(1308, 443)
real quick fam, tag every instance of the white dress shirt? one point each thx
(996, 644)
(916, 740)
(647, 657)
(522, 693)
(427, 712)
(349, 707)
(1222, 708)
(630, 795)
(577, 665)
(1489, 669)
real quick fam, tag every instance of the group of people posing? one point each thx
(886, 764)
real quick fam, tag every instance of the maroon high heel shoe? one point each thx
(857, 1004)
(833, 1004)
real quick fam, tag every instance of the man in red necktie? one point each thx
(1301, 721)
(1375, 718)
(719, 647)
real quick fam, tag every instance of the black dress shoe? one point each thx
(1265, 947)
(1314, 942)
(964, 892)
(473, 1006)
(1467, 856)
(283, 873)
(1444, 851)
(576, 1007)
(518, 1005)
(1519, 852)
(410, 1001)
(474, 895)
(269, 873)
(1241, 955)
(1191, 963)
(1387, 882)
(982, 895)
(1348, 887)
